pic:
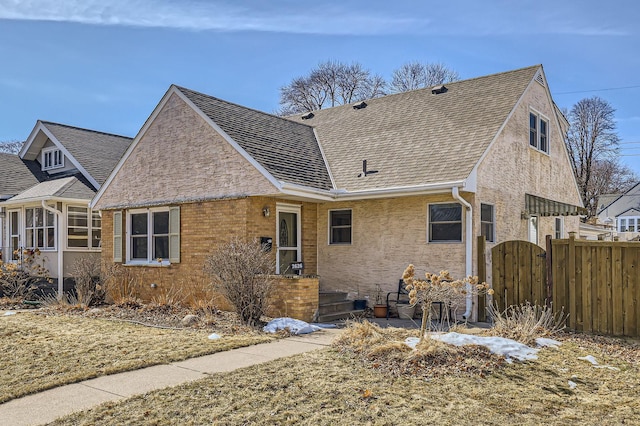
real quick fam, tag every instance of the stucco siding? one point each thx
(512, 168)
(180, 158)
(387, 235)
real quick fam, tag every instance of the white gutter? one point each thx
(468, 241)
(341, 194)
(59, 245)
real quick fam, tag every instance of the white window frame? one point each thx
(150, 259)
(90, 229)
(55, 158)
(558, 227)
(462, 224)
(624, 223)
(539, 118)
(14, 233)
(27, 244)
(492, 238)
(330, 228)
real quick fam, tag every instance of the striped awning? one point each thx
(538, 206)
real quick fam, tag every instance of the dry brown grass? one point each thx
(40, 352)
(331, 387)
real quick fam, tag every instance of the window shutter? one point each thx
(117, 236)
(174, 234)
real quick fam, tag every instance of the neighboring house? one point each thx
(45, 192)
(622, 213)
(355, 192)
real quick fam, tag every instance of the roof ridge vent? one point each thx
(436, 90)
(307, 116)
(360, 105)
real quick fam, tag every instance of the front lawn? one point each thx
(38, 351)
(336, 387)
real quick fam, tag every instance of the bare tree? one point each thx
(416, 75)
(331, 83)
(11, 147)
(593, 146)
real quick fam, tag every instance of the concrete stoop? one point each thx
(335, 306)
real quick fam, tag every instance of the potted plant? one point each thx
(380, 308)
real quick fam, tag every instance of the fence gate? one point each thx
(519, 274)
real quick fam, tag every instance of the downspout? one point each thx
(468, 241)
(59, 247)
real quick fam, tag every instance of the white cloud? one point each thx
(204, 15)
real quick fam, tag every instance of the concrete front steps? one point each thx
(334, 306)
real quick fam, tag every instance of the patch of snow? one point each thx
(589, 358)
(550, 343)
(6, 314)
(215, 336)
(596, 364)
(508, 348)
(295, 326)
(572, 385)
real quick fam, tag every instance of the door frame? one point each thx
(288, 208)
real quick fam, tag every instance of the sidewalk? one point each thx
(47, 406)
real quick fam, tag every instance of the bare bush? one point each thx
(122, 286)
(90, 290)
(19, 279)
(525, 323)
(240, 272)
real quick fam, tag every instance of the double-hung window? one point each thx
(445, 222)
(149, 235)
(629, 224)
(559, 228)
(487, 222)
(538, 132)
(84, 228)
(52, 158)
(40, 229)
(340, 227)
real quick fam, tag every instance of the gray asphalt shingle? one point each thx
(287, 150)
(15, 175)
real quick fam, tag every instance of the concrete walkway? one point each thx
(47, 406)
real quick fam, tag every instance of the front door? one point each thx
(288, 231)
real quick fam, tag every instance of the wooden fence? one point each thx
(598, 285)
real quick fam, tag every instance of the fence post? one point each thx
(572, 280)
(482, 277)
(549, 279)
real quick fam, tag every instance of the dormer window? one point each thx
(52, 158)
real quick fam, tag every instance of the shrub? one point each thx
(527, 322)
(122, 285)
(441, 288)
(90, 290)
(19, 279)
(240, 272)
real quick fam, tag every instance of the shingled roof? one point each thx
(286, 149)
(69, 187)
(97, 152)
(16, 175)
(417, 137)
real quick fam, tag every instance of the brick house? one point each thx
(355, 192)
(45, 192)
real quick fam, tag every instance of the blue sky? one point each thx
(105, 64)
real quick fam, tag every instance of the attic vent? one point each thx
(307, 116)
(439, 89)
(360, 105)
(540, 79)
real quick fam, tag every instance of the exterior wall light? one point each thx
(266, 212)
